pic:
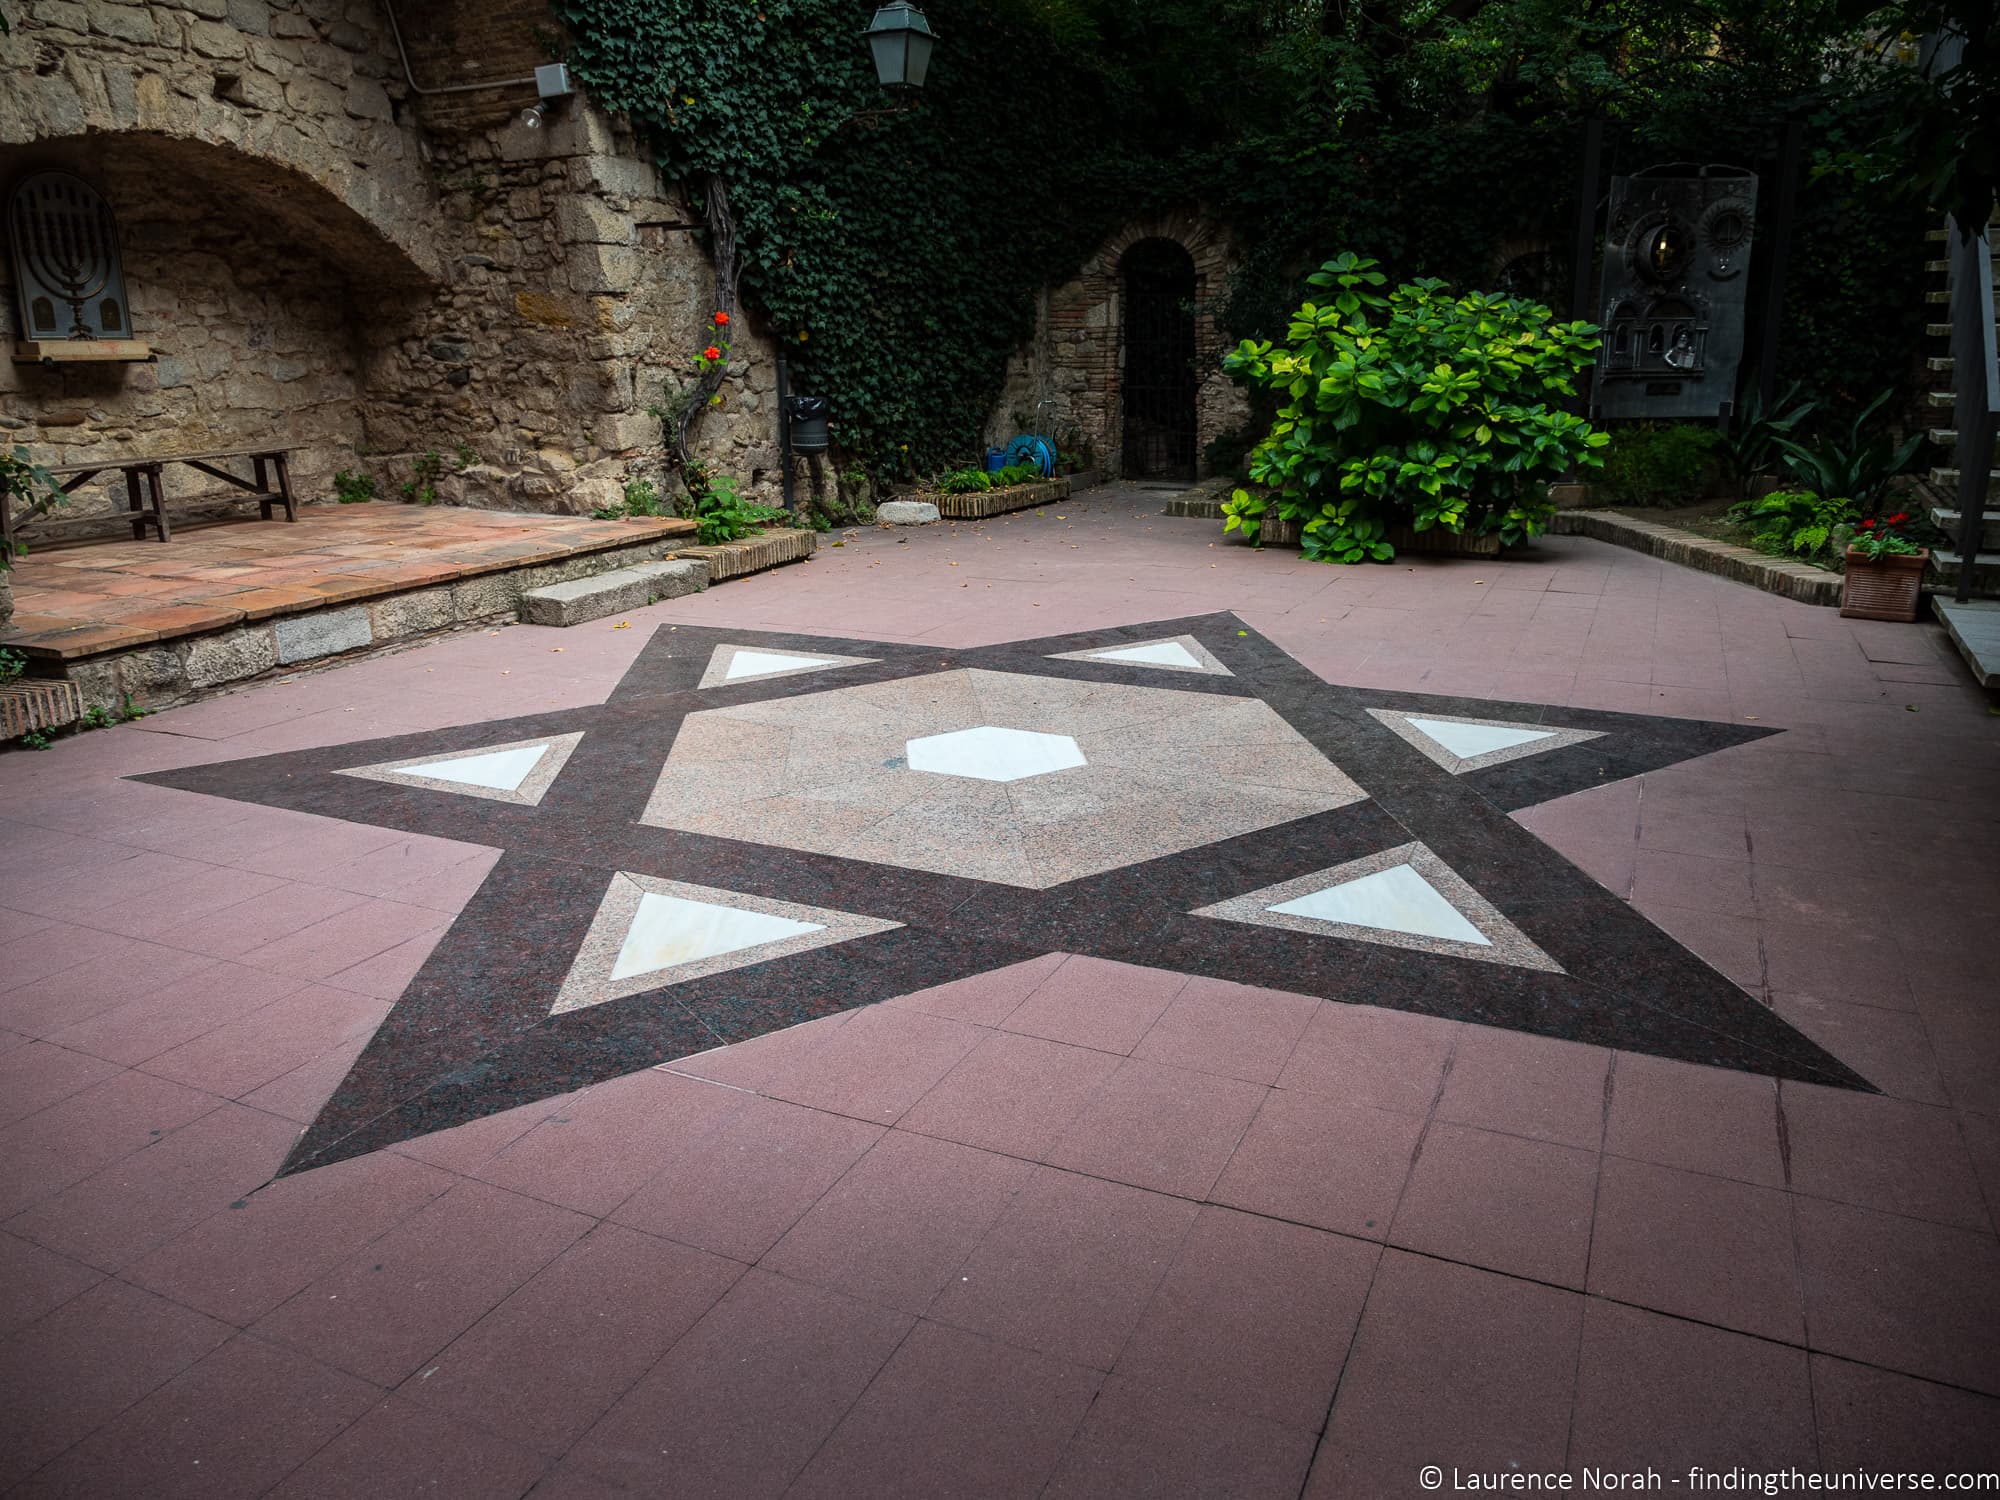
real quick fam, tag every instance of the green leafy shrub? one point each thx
(1416, 409)
(425, 472)
(31, 491)
(720, 511)
(973, 481)
(1798, 523)
(1859, 463)
(641, 499)
(1660, 465)
(353, 489)
(1749, 450)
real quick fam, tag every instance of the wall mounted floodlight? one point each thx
(552, 83)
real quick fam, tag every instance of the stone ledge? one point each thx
(1774, 575)
(753, 554)
(585, 599)
(977, 507)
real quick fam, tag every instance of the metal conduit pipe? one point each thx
(450, 88)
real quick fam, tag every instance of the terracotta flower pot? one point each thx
(1886, 588)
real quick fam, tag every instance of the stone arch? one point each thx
(1085, 354)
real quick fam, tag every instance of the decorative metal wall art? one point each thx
(67, 271)
(1676, 253)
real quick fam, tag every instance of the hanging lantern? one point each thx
(901, 40)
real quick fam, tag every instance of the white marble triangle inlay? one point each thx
(728, 665)
(1159, 654)
(497, 770)
(767, 663)
(1397, 899)
(1467, 740)
(668, 931)
(520, 771)
(1177, 653)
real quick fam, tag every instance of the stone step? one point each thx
(1974, 627)
(1944, 437)
(585, 599)
(1938, 398)
(1985, 573)
(1947, 479)
(1946, 518)
(1940, 366)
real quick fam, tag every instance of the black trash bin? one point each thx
(806, 417)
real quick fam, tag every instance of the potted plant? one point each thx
(1885, 571)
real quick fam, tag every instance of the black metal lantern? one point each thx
(901, 40)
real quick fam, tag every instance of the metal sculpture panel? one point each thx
(66, 264)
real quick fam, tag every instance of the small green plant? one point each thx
(34, 739)
(463, 458)
(1798, 523)
(425, 472)
(1888, 536)
(965, 482)
(12, 665)
(1660, 465)
(1749, 449)
(97, 716)
(353, 489)
(1416, 408)
(31, 491)
(1859, 465)
(641, 499)
(1244, 511)
(719, 509)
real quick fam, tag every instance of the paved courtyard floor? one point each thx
(1058, 1006)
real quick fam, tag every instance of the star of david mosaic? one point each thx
(756, 830)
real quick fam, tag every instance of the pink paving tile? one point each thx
(1697, 1247)
(77, 1368)
(1837, 963)
(984, 999)
(101, 971)
(1255, 1315)
(1069, 1267)
(1966, 1039)
(1501, 1201)
(1881, 1422)
(465, 1148)
(1527, 1085)
(747, 1064)
(35, 1282)
(46, 1152)
(38, 1074)
(18, 924)
(1460, 1368)
(159, 902)
(300, 1094)
(1161, 1128)
(1681, 830)
(247, 1053)
(896, 1228)
(345, 939)
(407, 863)
(876, 1066)
(1093, 1002)
(114, 1216)
(1322, 1161)
(956, 1409)
(447, 890)
(250, 925)
(1234, 1030)
(311, 849)
(1712, 1120)
(1138, 1441)
(1389, 1059)
(1014, 1094)
(385, 1311)
(607, 1142)
(597, 1317)
(738, 1405)
(1730, 945)
(214, 996)
(1692, 883)
(739, 1189)
(1610, 865)
(1882, 1153)
(1917, 1297)
(239, 1264)
(232, 1425)
(401, 1448)
(1892, 1049)
(388, 973)
(1654, 1392)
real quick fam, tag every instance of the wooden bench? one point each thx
(143, 493)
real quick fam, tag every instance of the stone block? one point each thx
(584, 599)
(588, 221)
(401, 615)
(214, 659)
(153, 674)
(672, 580)
(306, 637)
(906, 513)
(480, 598)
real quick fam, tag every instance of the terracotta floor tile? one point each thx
(994, 1418)
(1322, 1161)
(1697, 1247)
(1502, 1202)
(1460, 1368)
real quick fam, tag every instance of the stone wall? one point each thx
(1076, 358)
(330, 252)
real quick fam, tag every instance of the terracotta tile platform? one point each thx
(1072, 1226)
(104, 596)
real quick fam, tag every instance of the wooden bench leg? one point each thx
(264, 495)
(159, 502)
(135, 504)
(285, 486)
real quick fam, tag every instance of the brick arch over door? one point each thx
(1086, 319)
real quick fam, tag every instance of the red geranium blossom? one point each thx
(711, 352)
(1869, 524)
(722, 320)
(1899, 517)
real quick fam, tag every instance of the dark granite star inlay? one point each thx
(477, 1030)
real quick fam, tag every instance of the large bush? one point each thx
(1417, 409)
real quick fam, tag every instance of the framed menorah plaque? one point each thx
(67, 271)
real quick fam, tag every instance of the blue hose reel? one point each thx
(1033, 448)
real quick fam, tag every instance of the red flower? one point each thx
(713, 353)
(1869, 524)
(1899, 518)
(722, 320)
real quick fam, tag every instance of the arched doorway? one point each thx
(1159, 384)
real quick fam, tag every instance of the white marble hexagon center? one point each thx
(992, 753)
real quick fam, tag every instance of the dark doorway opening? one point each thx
(1159, 386)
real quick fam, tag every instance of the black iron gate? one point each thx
(1159, 386)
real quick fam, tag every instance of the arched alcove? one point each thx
(1158, 382)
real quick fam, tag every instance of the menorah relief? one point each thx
(65, 244)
